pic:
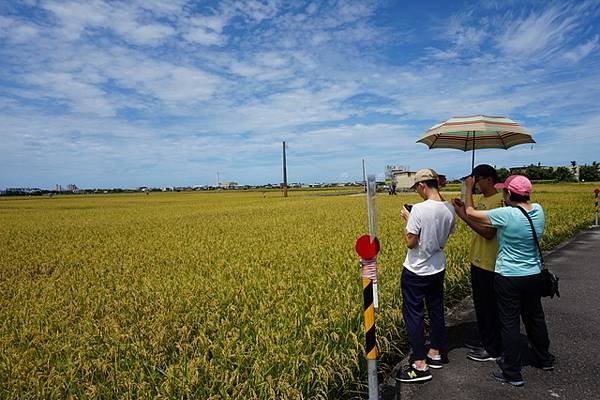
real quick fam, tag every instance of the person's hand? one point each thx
(470, 183)
(404, 213)
(459, 207)
(458, 203)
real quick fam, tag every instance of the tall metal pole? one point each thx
(285, 185)
(596, 192)
(371, 295)
(364, 176)
(372, 218)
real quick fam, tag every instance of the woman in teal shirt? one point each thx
(517, 279)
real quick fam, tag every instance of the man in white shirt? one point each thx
(428, 227)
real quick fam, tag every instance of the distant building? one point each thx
(575, 171)
(228, 185)
(399, 176)
(404, 179)
(391, 170)
(72, 188)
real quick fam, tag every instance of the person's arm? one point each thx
(478, 216)
(412, 231)
(487, 232)
(412, 240)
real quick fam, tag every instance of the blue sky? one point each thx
(132, 93)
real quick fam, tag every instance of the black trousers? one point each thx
(417, 291)
(520, 296)
(486, 310)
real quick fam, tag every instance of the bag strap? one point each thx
(535, 237)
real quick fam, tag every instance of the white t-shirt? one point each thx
(433, 221)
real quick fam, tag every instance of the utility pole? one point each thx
(285, 185)
(364, 176)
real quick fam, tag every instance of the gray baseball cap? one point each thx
(425, 174)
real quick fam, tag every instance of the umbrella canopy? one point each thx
(476, 132)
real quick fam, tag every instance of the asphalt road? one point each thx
(574, 328)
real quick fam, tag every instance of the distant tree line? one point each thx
(590, 173)
(587, 173)
(541, 173)
(45, 192)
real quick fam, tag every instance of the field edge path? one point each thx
(573, 324)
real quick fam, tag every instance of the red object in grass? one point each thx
(365, 248)
(596, 191)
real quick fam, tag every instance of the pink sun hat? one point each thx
(517, 184)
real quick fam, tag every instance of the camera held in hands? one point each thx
(408, 207)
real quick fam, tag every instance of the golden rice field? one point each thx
(238, 295)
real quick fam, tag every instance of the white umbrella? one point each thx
(476, 132)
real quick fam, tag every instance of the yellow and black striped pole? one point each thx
(369, 277)
(369, 309)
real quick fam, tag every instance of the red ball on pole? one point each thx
(366, 248)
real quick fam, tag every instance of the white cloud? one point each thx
(75, 16)
(143, 34)
(282, 111)
(539, 34)
(206, 30)
(268, 66)
(245, 70)
(124, 19)
(162, 80)
(271, 59)
(443, 55)
(184, 84)
(258, 10)
(312, 8)
(583, 50)
(319, 38)
(172, 7)
(204, 37)
(463, 31)
(17, 31)
(80, 96)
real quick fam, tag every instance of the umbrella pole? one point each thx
(473, 156)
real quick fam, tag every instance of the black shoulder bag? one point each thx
(549, 281)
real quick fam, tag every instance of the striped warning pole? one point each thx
(367, 249)
(370, 338)
(597, 191)
(372, 217)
